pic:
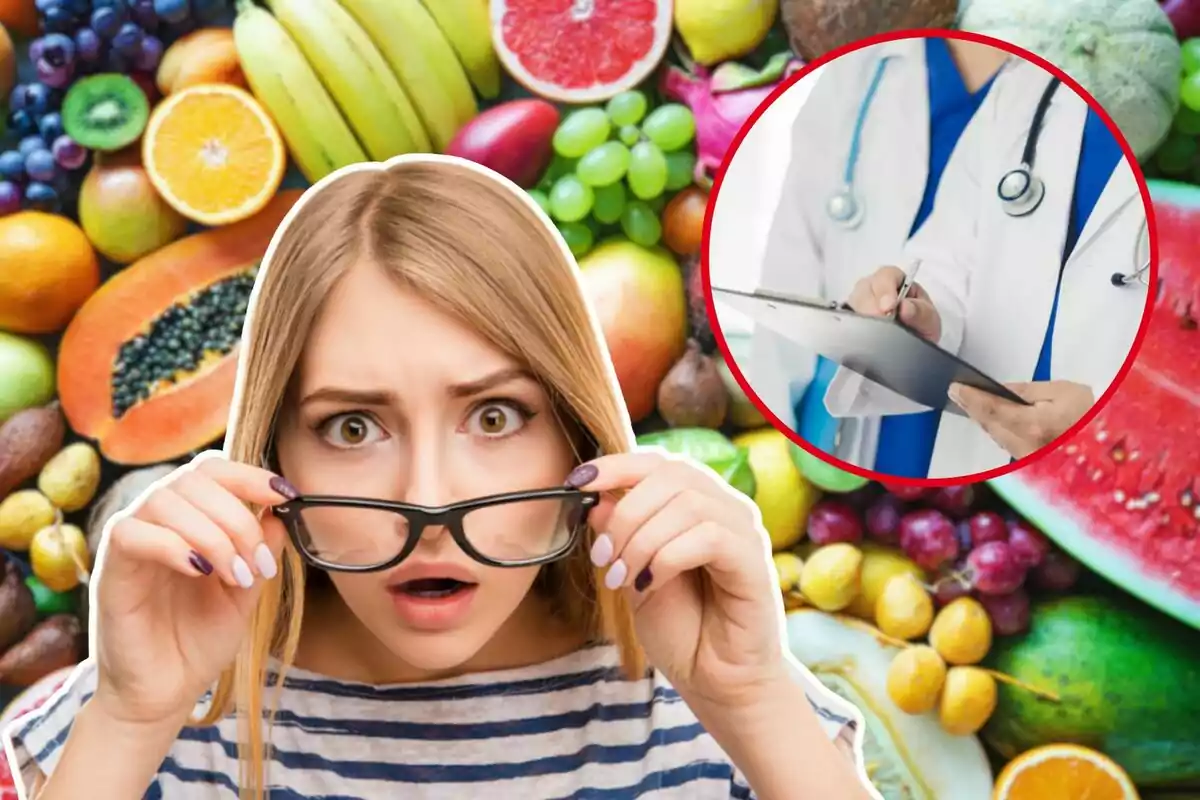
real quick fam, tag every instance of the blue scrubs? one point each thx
(905, 440)
(1099, 155)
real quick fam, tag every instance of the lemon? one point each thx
(718, 30)
(782, 494)
(22, 514)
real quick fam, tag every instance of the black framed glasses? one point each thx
(514, 529)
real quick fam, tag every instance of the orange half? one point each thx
(1064, 772)
(213, 154)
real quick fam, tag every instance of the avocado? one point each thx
(1128, 680)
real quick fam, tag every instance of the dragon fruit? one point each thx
(722, 101)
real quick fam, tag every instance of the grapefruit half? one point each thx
(580, 51)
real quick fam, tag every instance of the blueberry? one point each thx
(171, 10)
(38, 99)
(42, 197)
(22, 123)
(50, 126)
(31, 144)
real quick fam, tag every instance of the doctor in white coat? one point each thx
(870, 145)
(1053, 282)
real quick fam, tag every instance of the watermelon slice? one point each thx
(580, 51)
(1123, 495)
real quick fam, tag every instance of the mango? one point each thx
(1126, 676)
(71, 477)
(122, 214)
(204, 56)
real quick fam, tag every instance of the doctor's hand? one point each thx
(1021, 430)
(876, 294)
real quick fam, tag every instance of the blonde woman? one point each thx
(430, 565)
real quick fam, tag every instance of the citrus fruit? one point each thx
(783, 496)
(213, 154)
(580, 52)
(1064, 772)
(721, 30)
(49, 270)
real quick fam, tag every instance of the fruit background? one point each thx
(1035, 637)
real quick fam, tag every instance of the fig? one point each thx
(29, 439)
(692, 395)
(18, 610)
(56, 642)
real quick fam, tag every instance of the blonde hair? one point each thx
(474, 246)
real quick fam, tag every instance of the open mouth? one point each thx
(432, 588)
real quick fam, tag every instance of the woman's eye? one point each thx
(351, 430)
(498, 419)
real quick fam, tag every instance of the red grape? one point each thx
(1009, 612)
(953, 500)
(834, 521)
(927, 537)
(988, 526)
(1029, 546)
(10, 198)
(1058, 572)
(948, 589)
(994, 568)
(883, 520)
(907, 493)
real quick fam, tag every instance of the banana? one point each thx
(423, 60)
(468, 27)
(375, 104)
(317, 135)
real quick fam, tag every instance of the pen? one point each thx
(906, 287)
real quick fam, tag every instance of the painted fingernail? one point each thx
(200, 563)
(264, 561)
(582, 475)
(642, 581)
(602, 550)
(281, 485)
(241, 573)
(615, 577)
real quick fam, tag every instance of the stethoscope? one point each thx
(1141, 263)
(1020, 191)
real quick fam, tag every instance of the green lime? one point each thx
(49, 601)
(711, 448)
(824, 475)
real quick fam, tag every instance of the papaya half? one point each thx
(147, 366)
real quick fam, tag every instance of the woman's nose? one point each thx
(423, 475)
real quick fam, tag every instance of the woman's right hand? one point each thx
(876, 295)
(178, 583)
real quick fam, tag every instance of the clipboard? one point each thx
(881, 349)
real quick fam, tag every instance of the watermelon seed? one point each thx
(1187, 499)
(1118, 453)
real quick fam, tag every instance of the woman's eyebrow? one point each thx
(479, 385)
(363, 397)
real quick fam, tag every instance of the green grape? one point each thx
(570, 199)
(681, 166)
(647, 171)
(541, 198)
(670, 126)
(657, 204)
(603, 165)
(609, 202)
(1189, 91)
(629, 135)
(578, 237)
(627, 108)
(580, 131)
(1175, 155)
(641, 224)
(1187, 121)
(1190, 53)
(558, 167)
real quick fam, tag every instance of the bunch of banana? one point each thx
(317, 135)
(410, 40)
(468, 27)
(358, 77)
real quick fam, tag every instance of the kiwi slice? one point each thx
(105, 112)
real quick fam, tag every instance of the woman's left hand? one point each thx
(691, 552)
(1021, 430)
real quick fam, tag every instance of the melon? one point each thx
(147, 366)
(580, 52)
(1123, 52)
(1122, 495)
(908, 756)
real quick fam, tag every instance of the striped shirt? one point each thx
(571, 727)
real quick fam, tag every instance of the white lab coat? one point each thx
(809, 254)
(1008, 266)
